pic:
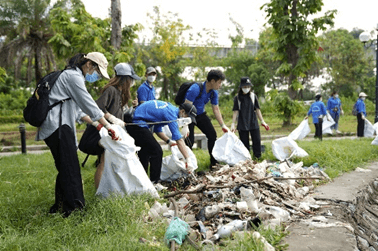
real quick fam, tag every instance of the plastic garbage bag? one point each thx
(173, 166)
(369, 129)
(123, 172)
(230, 149)
(301, 131)
(285, 148)
(326, 127)
(180, 122)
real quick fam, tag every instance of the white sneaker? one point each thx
(337, 131)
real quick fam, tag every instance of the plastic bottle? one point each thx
(227, 230)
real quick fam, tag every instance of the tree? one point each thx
(348, 64)
(295, 39)
(166, 50)
(26, 25)
(116, 24)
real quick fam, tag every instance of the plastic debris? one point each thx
(177, 230)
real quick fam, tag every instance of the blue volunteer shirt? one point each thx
(157, 111)
(333, 105)
(360, 105)
(193, 95)
(145, 92)
(318, 108)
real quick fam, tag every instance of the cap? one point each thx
(318, 96)
(150, 69)
(245, 81)
(101, 61)
(362, 94)
(191, 110)
(124, 69)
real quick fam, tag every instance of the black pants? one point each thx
(360, 125)
(204, 124)
(68, 187)
(150, 152)
(256, 141)
(319, 129)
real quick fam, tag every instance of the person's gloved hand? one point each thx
(306, 117)
(329, 117)
(189, 165)
(225, 128)
(342, 112)
(265, 125)
(233, 127)
(135, 102)
(97, 125)
(116, 121)
(172, 143)
(362, 116)
(112, 132)
(185, 131)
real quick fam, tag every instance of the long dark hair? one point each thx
(78, 61)
(125, 83)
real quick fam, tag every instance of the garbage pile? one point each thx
(218, 203)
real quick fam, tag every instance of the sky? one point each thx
(215, 14)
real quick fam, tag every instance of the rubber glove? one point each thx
(362, 116)
(97, 125)
(233, 127)
(329, 117)
(189, 165)
(225, 128)
(265, 125)
(185, 131)
(171, 142)
(116, 121)
(306, 117)
(342, 112)
(112, 132)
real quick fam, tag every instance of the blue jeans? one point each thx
(335, 117)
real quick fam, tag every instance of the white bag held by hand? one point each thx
(123, 173)
(301, 131)
(230, 149)
(285, 148)
(173, 166)
(369, 129)
(327, 123)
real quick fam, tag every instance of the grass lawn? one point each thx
(27, 192)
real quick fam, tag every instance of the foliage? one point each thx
(295, 41)
(166, 50)
(77, 31)
(286, 108)
(347, 63)
(26, 25)
(14, 100)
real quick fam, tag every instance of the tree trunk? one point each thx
(116, 24)
(37, 62)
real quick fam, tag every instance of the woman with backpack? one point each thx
(59, 128)
(114, 98)
(335, 109)
(246, 110)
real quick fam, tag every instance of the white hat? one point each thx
(123, 69)
(101, 61)
(362, 94)
(150, 69)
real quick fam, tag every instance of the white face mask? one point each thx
(336, 96)
(362, 98)
(151, 78)
(246, 90)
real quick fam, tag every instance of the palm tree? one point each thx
(26, 25)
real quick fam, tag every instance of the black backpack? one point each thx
(354, 110)
(180, 96)
(37, 105)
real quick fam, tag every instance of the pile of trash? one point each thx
(218, 204)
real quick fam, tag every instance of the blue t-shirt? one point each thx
(360, 105)
(156, 111)
(193, 95)
(333, 105)
(318, 108)
(145, 92)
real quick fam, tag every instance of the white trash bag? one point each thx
(301, 131)
(123, 173)
(285, 148)
(230, 149)
(369, 129)
(181, 122)
(326, 126)
(173, 166)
